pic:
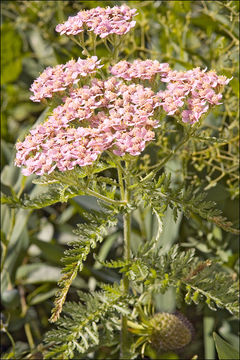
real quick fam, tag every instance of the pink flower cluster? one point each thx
(188, 93)
(106, 115)
(110, 114)
(61, 76)
(102, 21)
(139, 69)
(191, 93)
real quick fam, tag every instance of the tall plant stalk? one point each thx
(125, 195)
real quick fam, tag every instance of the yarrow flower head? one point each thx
(102, 21)
(191, 93)
(58, 78)
(106, 115)
(188, 93)
(110, 114)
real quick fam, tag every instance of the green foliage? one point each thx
(99, 313)
(195, 280)
(10, 54)
(37, 225)
(88, 323)
(64, 186)
(89, 234)
(225, 351)
(160, 195)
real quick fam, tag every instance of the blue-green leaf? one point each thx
(225, 350)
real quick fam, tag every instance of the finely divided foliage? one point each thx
(188, 200)
(90, 144)
(87, 324)
(89, 235)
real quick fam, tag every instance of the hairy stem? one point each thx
(127, 237)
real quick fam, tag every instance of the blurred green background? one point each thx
(185, 34)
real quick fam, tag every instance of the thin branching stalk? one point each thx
(5, 246)
(11, 340)
(94, 43)
(127, 241)
(27, 327)
(13, 219)
(104, 198)
(159, 166)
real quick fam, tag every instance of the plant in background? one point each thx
(104, 114)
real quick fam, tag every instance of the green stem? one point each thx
(107, 47)
(8, 238)
(159, 166)
(142, 226)
(120, 180)
(27, 327)
(28, 333)
(76, 42)
(126, 194)
(11, 339)
(81, 44)
(24, 179)
(104, 198)
(115, 50)
(94, 43)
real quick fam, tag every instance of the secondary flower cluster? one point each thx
(191, 93)
(61, 76)
(106, 115)
(188, 93)
(102, 21)
(139, 69)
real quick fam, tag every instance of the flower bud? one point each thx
(170, 331)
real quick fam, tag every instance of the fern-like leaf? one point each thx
(86, 322)
(160, 195)
(113, 264)
(89, 234)
(198, 281)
